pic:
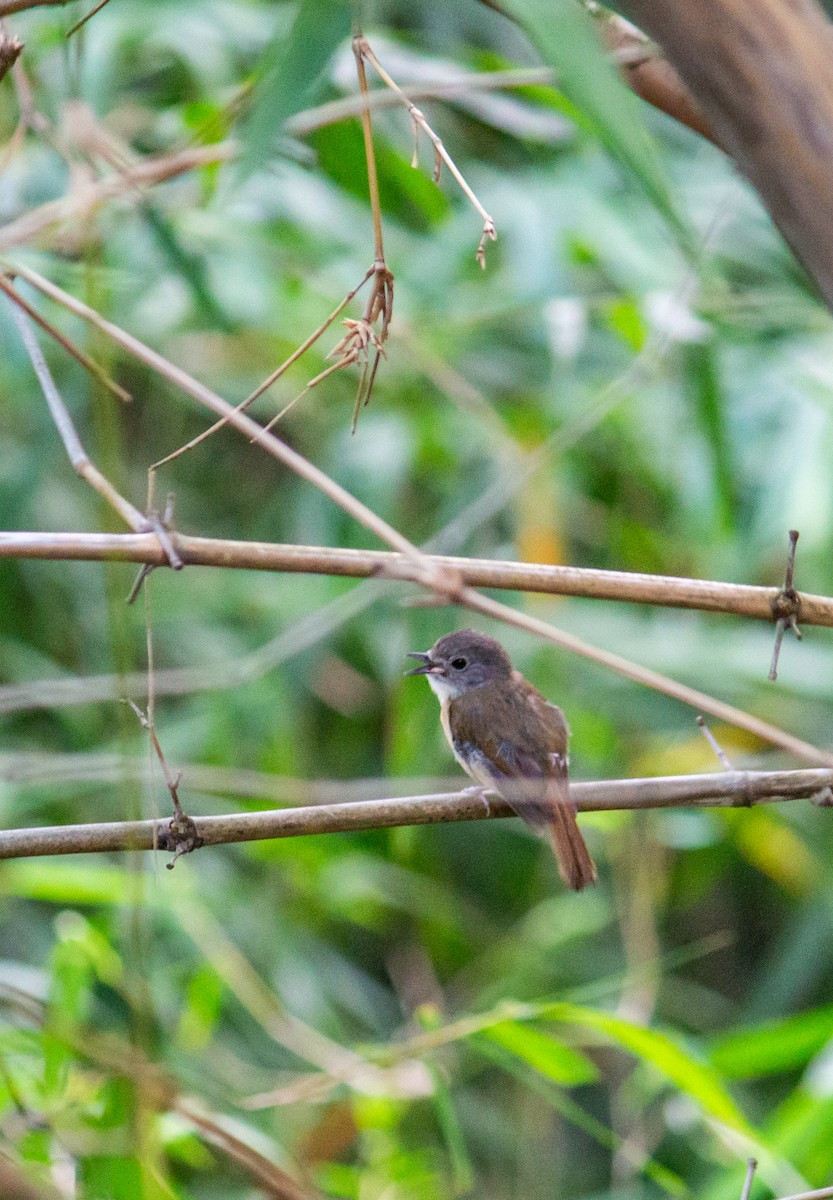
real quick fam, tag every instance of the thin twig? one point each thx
(370, 156)
(361, 336)
(362, 50)
(180, 833)
(83, 21)
(751, 1168)
(86, 362)
(272, 1180)
(69, 436)
(720, 753)
(733, 789)
(267, 383)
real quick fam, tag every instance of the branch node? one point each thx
(162, 526)
(181, 836)
(824, 798)
(786, 608)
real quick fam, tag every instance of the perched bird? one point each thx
(508, 737)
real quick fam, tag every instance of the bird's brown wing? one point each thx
(516, 740)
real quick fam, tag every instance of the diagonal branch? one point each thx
(69, 436)
(446, 587)
(209, 399)
(644, 675)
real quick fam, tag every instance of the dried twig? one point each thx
(363, 50)
(69, 436)
(720, 753)
(180, 834)
(83, 21)
(728, 789)
(86, 362)
(356, 345)
(267, 383)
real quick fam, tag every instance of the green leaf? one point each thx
(774, 1046)
(66, 883)
(548, 1055)
(407, 194)
(292, 73)
(703, 385)
(698, 1080)
(564, 36)
(462, 1170)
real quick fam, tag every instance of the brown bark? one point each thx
(10, 48)
(652, 77)
(761, 71)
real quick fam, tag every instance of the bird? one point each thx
(508, 737)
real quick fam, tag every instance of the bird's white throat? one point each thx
(443, 688)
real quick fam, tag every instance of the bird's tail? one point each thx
(575, 866)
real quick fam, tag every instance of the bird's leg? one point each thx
(478, 791)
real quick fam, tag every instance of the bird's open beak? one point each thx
(426, 666)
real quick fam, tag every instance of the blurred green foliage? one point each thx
(639, 380)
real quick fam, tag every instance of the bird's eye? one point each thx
(459, 664)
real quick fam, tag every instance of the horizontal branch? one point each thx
(729, 789)
(664, 590)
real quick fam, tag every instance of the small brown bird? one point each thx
(508, 737)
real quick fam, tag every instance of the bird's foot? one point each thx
(478, 791)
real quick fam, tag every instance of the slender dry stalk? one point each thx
(363, 50)
(727, 789)
(209, 399)
(270, 379)
(69, 436)
(79, 355)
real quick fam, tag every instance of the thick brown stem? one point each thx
(762, 73)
